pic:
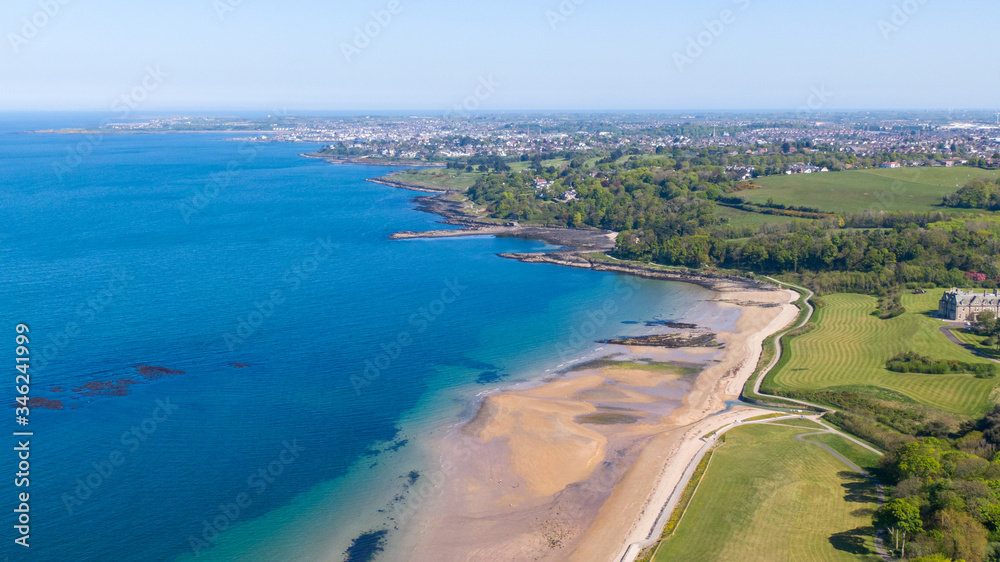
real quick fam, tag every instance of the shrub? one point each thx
(911, 362)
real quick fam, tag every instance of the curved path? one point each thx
(879, 541)
(634, 549)
(947, 331)
(777, 350)
(880, 489)
(777, 357)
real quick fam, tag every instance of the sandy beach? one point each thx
(580, 465)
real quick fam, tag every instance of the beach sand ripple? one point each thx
(579, 467)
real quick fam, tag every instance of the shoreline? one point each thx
(721, 283)
(399, 184)
(583, 491)
(364, 161)
(675, 451)
(575, 243)
(86, 131)
(595, 455)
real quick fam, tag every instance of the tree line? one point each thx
(669, 214)
(945, 498)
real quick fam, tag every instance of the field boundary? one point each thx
(696, 480)
(773, 344)
(753, 384)
(855, 191)
(802, 437)
(949, 332)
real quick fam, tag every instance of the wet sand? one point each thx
(580, 465)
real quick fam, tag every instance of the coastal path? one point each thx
(634, 549)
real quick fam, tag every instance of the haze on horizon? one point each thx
(545, 55)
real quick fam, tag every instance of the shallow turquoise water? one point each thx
(282, 267)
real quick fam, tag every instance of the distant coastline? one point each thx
(576, 242)
(95, 131)
(368, 161)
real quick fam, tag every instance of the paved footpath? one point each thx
(879, 536)
(634, 549)
(946, 330)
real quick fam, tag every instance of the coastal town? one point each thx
(784, 143)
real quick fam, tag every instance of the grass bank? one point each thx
(767, 496)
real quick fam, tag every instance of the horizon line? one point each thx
(307, 112)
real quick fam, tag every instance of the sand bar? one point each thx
(580, 466)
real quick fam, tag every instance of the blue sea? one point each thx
(230, 360)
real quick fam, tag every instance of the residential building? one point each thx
(963, 306)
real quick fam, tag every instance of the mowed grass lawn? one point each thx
(849, 347)
(458, 179)
(443, 178)
(851, 450)
(975, 342)
(557, 163)
(900, 189)
(767, 496)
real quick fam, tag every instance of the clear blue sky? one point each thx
(269, 55)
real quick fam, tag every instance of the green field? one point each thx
(853, 452)
(763, 417)
(767, 496)
(901, 189)
(440, 178)
(557, 163)
(739, 217)
(849, 348)
(456, 179)
(804, 424)
(975, 342)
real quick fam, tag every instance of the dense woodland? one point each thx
(946, 494)
(666, 208)
(977, 194)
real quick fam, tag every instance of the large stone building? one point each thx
(959, 305)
